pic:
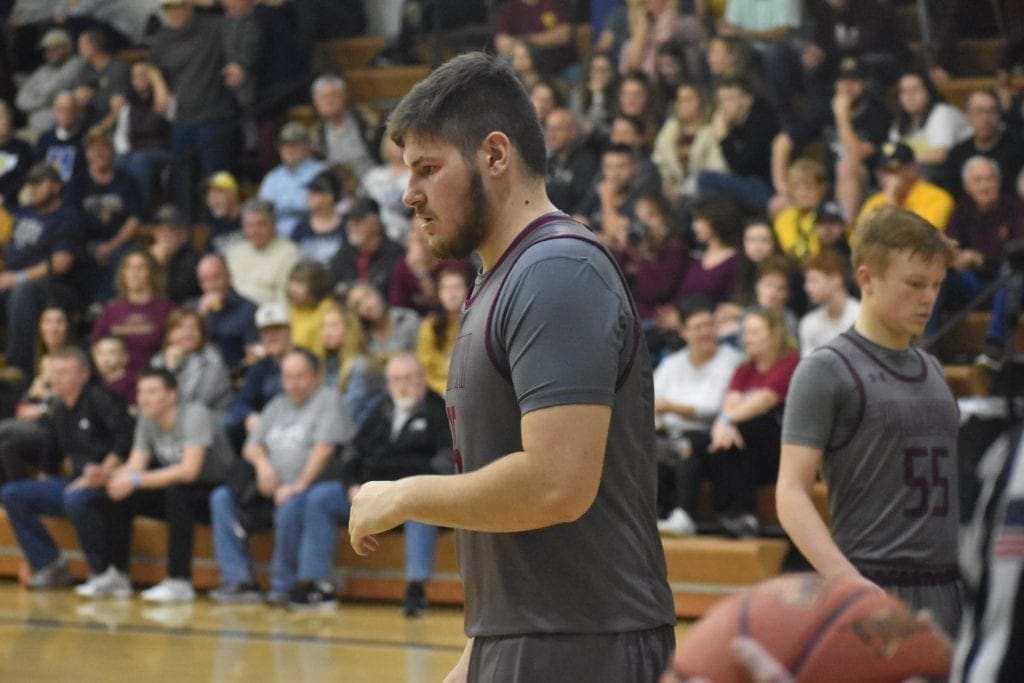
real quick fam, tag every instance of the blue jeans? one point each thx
(327, 506)
(211, 144)
(750, 192)
(26, 501)
(145, 166)
(233, 559)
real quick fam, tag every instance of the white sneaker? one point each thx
(170, 590)
(109, 584)
(678, 523)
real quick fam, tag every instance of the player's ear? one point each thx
(863, 277)
(497, 152)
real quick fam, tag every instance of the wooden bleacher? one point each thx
(701, 569)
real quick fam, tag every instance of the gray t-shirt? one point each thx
(288, 432)
(195, 426)
(192, 61)
(887, 424)
(552, 324)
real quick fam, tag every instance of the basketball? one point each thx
(837, 630)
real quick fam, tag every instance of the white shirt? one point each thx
(817, 329)
(678, 381)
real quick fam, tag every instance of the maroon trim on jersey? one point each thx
(922, 376)
(531, 228)
(489, 344)
(861, 393)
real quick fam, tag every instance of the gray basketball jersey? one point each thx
(552, 324)
(887, 423)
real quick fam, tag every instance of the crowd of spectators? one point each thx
(273, 334)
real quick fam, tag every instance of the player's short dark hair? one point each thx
(889, 229)
(466, 99)
(163, 374)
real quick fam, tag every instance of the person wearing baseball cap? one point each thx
(40, 263)
(223, 211)
(902, 186)
(852, 125)
(285, 185)
(830, 225)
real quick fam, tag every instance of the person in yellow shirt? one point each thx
(903, 187)
(440, 329)
(794, 225)
(307, 291)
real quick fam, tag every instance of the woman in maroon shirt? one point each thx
(747, 432)
(718, 227)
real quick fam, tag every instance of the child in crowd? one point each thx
(110, 356)
(794, 225)
(825, 276)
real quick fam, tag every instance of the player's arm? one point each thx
(553, 480)
(798, 470)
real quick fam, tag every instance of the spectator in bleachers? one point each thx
(655, 260)
(523, 57)
(547, 24)
(139, 315)
(407, 434)
(769, 26)
(659, 25)
(439, 330)
(608, 208)
(347, 364)
(991, 139)
(223, 212)
(686, 145)
(242, 42)
(759, 243)
(15, 159)
(545, 97)
(39, 264)
(369, 255)
(58, 73)
(142, 135)
(825, 281)
(286, 184)
(572, 164)
(745, 126)
(229, 318)
(866, 30)
(189, 53)
(728, 57)
(262, 381)
(339, 137)
(389, 330)
(172, 249)
(196, 363)
(92, 431)
(321, 233)
(110, 358)
(852, 126)
(794, 225)
(902, 186)
(636, 98)
(830, 227)
(412, 280)
(629, 131)
(61, 146)
(594, 101)
(27, 447)
(771, 291)
(259, 266)
(298, 438)
(718, 228)
(178, 456)
(746, 436)
(689, 387)
(109, 204)
(386, 184)
(927, 123)
(103, 82)
(308, 299)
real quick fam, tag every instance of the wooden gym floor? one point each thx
(54, 636)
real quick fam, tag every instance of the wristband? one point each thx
(136, 480)
(20, 276)
(724, 419)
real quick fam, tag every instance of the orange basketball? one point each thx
(838, 630)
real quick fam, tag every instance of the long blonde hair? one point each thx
(353, 346)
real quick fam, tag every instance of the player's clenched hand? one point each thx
(373, 512)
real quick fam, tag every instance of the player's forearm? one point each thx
(807, 530)
(506, 496)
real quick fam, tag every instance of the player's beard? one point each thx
(473, 227)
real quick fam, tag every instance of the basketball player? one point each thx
(876, 416)
(550, 402)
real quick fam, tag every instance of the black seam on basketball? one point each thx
(820, 632)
